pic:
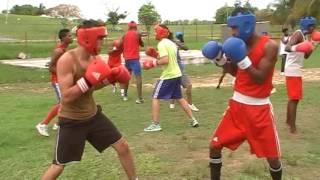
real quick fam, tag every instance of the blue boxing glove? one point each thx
(213, 51)
(236, 50)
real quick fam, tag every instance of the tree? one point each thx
(249, 7)
(114, 17)
(148, 16)
(26, 9)
(222, 14)
(282, 11)
(41, 9)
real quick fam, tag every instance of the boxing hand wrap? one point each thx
(83, 84)
(245, 63)
(222, 60)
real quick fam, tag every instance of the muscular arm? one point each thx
(163, 60)
(56, 54)
(140, 40)
(296, 38)
(266, 65)
(69, 89)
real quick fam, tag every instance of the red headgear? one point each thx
(132, 24)
(161, 32)
(87, 38)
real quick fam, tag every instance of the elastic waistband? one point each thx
(249, 100)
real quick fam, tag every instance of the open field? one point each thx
(178, 152)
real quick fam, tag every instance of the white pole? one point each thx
(7, 12)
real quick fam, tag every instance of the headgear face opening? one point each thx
(306, 22)
(161, 32)
(244, 22)
(88, 38)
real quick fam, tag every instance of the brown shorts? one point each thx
(72, 135)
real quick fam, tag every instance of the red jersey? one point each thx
(53, 76)
(244, 84)
(131, 45)
(114, 59)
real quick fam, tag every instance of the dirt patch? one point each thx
(309, 75)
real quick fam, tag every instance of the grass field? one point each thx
(178, 152)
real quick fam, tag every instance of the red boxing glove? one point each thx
(315, 36)
(149, 64)
(304, 47)
(119, 74)
(96, 72)
(151, 51)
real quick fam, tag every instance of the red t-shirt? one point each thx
(244, 84)
(131, 45)
(53, 76)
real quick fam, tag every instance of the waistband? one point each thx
(250, 100)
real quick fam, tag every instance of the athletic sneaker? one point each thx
(125, 98)
(42, 129)
(193, 107)
(194, 123)
(140, 101)
(153, 127)
(55, 126)
(172, 106)
(273, 90)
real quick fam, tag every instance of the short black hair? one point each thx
(63, 33)
(91, 23)
(284, 30)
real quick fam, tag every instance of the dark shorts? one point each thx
(99, 131)
(133, 65)
(168, 89)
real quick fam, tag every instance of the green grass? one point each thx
(178, 152)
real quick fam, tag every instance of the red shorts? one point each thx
(294, 87)
(253, 123)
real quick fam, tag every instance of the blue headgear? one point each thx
(244, 22)
(179, 35)
(307, 21)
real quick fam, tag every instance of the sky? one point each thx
(168, 9)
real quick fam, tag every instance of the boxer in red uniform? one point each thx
(298, 48)
(249, 114)
(131, 53)
(114, 58)
(80, 72)
(65, 39)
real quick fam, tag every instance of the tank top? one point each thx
(244, 84)
(53, 76)
(294, 62)
(131, 45)
(84, 106)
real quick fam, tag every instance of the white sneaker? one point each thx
(42, 129)
(193, 107)
(153, 127)
(172, 106)
(194, 123)
(273, 90)
(125, 98)
(282, 73)
(139, 101)
(55, 127)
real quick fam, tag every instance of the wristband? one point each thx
(245, 63)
